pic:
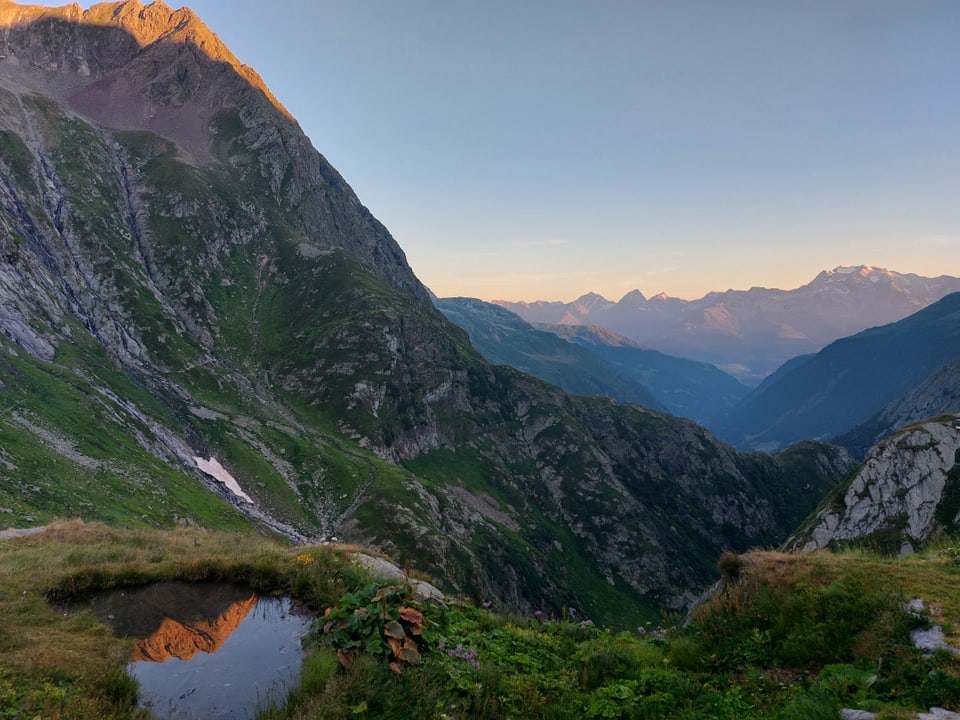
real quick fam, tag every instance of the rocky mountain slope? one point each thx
(750, 333)
(904, 494)
(200, 323)
(848, 382)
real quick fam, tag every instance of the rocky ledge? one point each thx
(906, 489)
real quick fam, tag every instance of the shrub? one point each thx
(940, 689)
(730, 566)
(608, 659)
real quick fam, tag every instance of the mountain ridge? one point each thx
(145, 24)
(749, 333)
(867, 272)
(937, 394)
(504, 338)
(174, 87)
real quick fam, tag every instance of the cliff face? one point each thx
(127, 66)
(183, 276)
(907, 490)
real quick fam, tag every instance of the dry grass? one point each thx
(38, 640)
(930, 575)
(44, 650)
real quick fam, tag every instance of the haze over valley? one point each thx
(750, 333)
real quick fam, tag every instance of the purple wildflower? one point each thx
(468, 655)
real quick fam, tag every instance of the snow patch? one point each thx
(215, 470)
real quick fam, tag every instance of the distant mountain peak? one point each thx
(855, 269)
(844, 273)
(592, 297)
(752, 332)
(634, 297)
(592, 301)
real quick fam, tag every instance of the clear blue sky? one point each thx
(540, 149)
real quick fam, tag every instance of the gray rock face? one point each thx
(896, 493)
(129, 66)
(931, 640)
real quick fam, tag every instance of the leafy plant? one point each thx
(951, 555)
(376, 620)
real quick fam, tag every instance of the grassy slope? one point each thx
(788, 637)
(87, 463)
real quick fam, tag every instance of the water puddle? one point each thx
(206, 650)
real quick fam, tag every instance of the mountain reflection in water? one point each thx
(183, 639)
(206, 650)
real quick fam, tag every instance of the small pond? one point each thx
(206, 650)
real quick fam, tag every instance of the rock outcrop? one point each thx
(907, 489)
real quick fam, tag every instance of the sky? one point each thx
(542, 149)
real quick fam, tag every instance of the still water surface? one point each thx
(206, 650)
